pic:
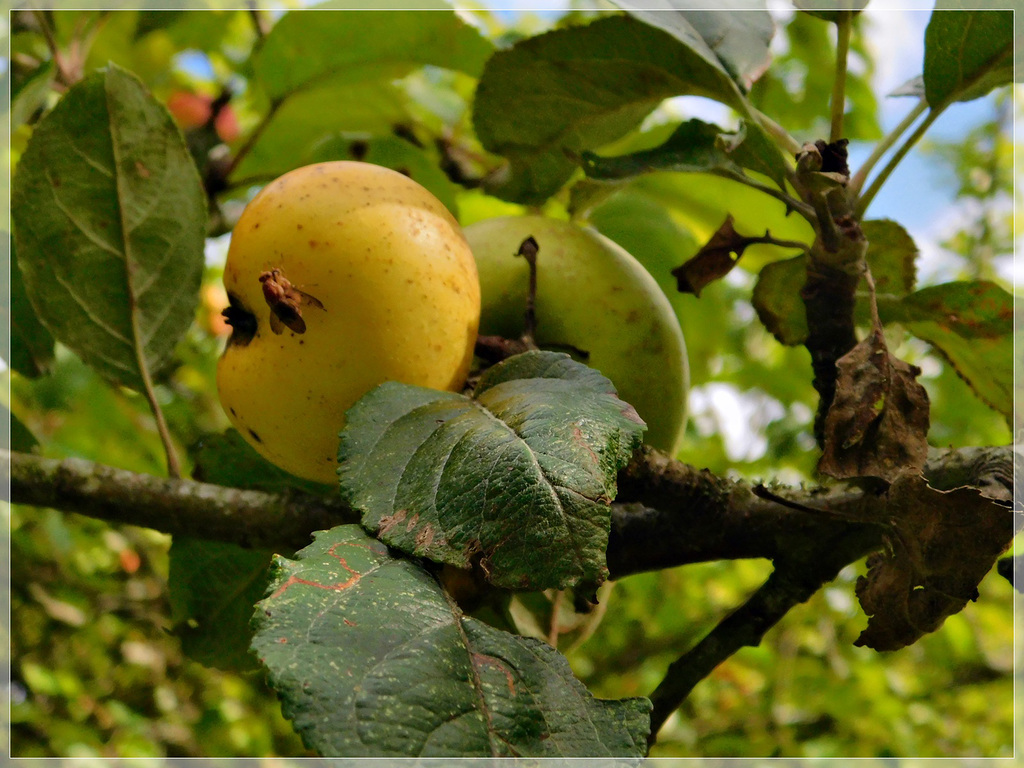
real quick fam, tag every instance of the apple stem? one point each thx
(528, 249)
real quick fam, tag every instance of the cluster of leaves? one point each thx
(113, 207)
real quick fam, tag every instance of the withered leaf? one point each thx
(877, 425)
(941, 546)
(718, 256)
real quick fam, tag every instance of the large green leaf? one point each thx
(971, 325)
(520, 476)
(307, 47)
(738, 31)
(966, 54)
(212, 585)
(550, 97)
(371, 657)
(110, 224)
(698, 147)
(333, 72)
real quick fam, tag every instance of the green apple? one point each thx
(593, 300)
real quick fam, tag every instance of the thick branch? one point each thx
(668, 514)
(829, 295)
(179, 507)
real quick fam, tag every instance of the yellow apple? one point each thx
(592, 298)
(340, 276)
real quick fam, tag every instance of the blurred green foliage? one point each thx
(95, 667)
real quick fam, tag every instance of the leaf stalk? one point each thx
(869, 194)
(883, 146)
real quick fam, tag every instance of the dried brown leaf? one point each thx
(719, 255)
(942, 545)
(712, 262)
(877, 425)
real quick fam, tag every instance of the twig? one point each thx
(554, 625)
(869, 194)
(791, 583)
(802, 570)
(171, 453)
(669, 513)
(51, 43)
(246, 148)
(259, 22)
(792, 204)
(844, 26)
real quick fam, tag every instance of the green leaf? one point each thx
(777, 300)
(697, 147)
(551, 97)
(971, 325)
(227, 459)
(371, 657)
(317, 114)
(150, 21)
(212, 585)
(29, 349)
(32, 95)
(738, 31)
(110, 224)
(212, 588)
(891, 256)
(306, 47)
(520, 476)
(966, 54)
(18, 436)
